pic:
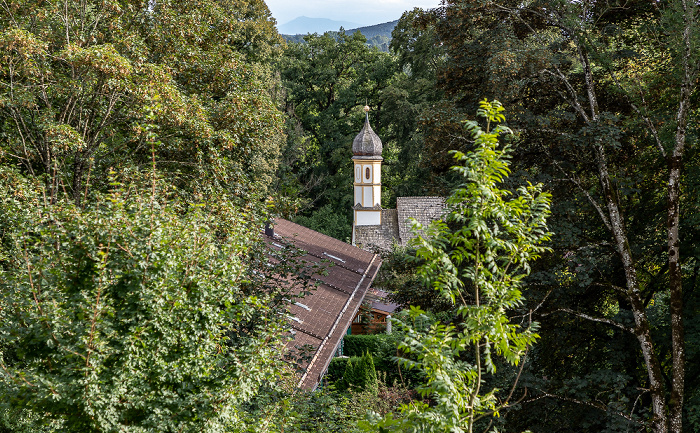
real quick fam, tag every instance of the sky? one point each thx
(363, 12)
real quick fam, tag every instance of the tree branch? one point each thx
(592, 319)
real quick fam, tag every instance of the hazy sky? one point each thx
(363, 12)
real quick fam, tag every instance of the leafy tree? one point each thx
(328, 78)
(325, 220)
(23, 421)
(399, 277)
(79, 80)
(477, 258)
(603, 101)
(133, 313)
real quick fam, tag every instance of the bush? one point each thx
(325, 410)
(336, 369)
(131, 314)
(377, 344)
(360, 374)
(25, 421)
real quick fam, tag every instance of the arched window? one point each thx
(367, 173)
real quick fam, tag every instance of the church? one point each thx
(374, 228)
(322, 317)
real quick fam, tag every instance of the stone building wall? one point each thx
(380, 237)
(396, 223)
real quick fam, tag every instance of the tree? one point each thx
(477, 258)
(602, 95)
(327, 80)
(360, 375)
(133, 313)
(80, 79)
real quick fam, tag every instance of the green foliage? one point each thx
(574, 75)
(297, 411)
(477, 259)
(359, 374)
(336, 368)
(325, 410)
(343, 384)
(24, 421)
(133, 313)
(374, 344)
(328, 79)
(325, 220)
(399, 277)
(80, 80)
(382, 347)
(384, 351)
(378, 35)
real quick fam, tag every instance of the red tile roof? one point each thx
(320, 319)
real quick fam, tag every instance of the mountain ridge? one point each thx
(304, 25)
(378, 35)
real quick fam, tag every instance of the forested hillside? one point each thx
(143, 146)
(378, 35)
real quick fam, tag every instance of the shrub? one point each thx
(376, 344)
(131, 314)
(336, 369)
(360, 374)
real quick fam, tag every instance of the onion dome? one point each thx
(367, 143)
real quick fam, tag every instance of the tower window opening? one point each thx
(367, 173)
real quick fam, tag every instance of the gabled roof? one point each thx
(320, 319)
(379, 300)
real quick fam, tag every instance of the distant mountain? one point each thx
(304, 25)
(383, 29)
(378, 35)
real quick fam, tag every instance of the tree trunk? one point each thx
(676, 287)
(642, 328)
(675, 163)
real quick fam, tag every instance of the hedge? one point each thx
(336, 368)
(379, 345)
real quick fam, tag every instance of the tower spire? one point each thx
(367, 159)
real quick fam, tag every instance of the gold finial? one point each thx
(366, 108)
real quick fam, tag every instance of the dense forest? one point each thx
(144, 145)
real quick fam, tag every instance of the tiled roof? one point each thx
(320, 319)
(396, 226)
(385, 307)
(380, 300)
(422, 209)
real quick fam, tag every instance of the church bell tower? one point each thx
(367, 159)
